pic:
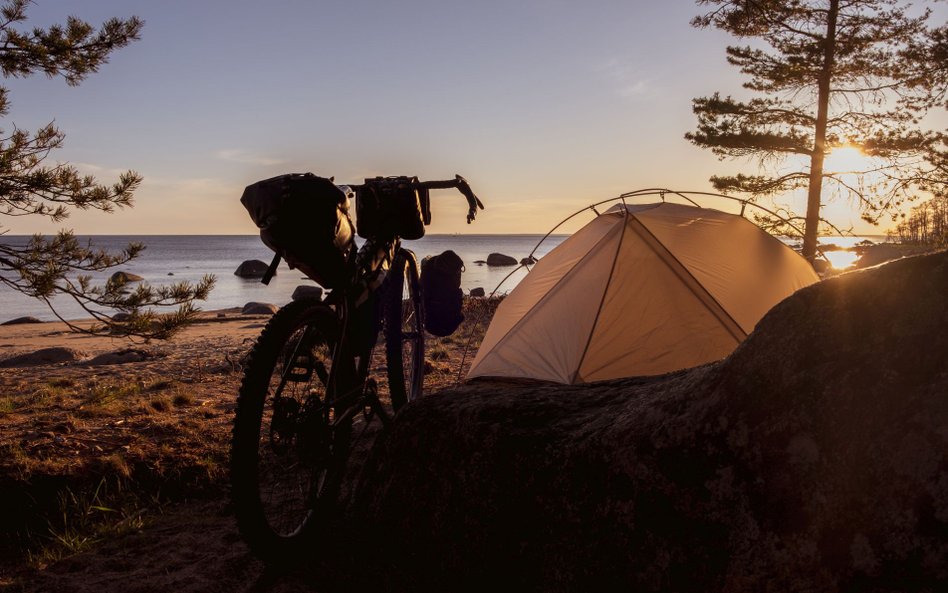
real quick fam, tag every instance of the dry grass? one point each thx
(94, 451)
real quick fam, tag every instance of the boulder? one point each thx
(304, 291)
(253, 308)
(21, 320)
(124, 278)
(477, 291)
(499, 259)
(252, 268)
(814, 458)
(44, 356)
(528, 261)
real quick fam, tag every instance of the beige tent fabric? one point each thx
(640, 290)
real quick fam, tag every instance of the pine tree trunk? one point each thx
(812, 226)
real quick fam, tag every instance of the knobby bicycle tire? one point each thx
(286, 459)
(404, 330)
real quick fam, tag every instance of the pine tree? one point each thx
(826, 74)
(31, 186)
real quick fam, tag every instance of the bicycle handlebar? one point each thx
(461, 184)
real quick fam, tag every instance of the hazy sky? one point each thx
(545, 106)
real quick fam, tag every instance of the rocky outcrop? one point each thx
(252, 268)
(477, 291)
(528, 261)
(814, 458)
(44, 356)
(499, 259)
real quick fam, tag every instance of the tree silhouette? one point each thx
(827, 74)
(31, 186)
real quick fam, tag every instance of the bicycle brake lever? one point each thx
(472, 200)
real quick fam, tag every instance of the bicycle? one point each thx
(308, 381)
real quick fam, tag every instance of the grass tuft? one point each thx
(182, 399)
(87, 516)
(438, 353)
(160, 404)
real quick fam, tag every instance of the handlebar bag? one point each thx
(441, 287)
(305, 219)
(390, 206)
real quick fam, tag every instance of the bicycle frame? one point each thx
(371, 262)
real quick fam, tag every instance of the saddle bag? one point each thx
(390, 206)
(441, 287)
(305, 220)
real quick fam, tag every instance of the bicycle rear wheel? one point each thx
(404, 330)
(287, 456)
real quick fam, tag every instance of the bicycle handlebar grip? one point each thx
(472, 201)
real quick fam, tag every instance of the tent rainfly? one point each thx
(640, 290)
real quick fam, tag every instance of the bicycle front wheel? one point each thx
(288, 453)
(404, 330)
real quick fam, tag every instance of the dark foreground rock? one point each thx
(814, 458)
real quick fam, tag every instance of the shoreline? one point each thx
(24, 338)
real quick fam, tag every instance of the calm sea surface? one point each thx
(175, 258)
(189, 257)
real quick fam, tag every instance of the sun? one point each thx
(846, 159)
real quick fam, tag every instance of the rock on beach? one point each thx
(22, 320)
(251, 268)
(253, 308)
(55, 355)
(124, 278)
(500, 259)
(304, 291)
(119, 357)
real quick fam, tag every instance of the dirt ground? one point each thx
(117, 461)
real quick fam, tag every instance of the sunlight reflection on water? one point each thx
(841, 259)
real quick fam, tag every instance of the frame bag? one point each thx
(441, 287)
(305, 220)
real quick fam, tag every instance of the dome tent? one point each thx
(640, 290)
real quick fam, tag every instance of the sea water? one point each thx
(176, 258)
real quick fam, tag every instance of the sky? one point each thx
(545, 106)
